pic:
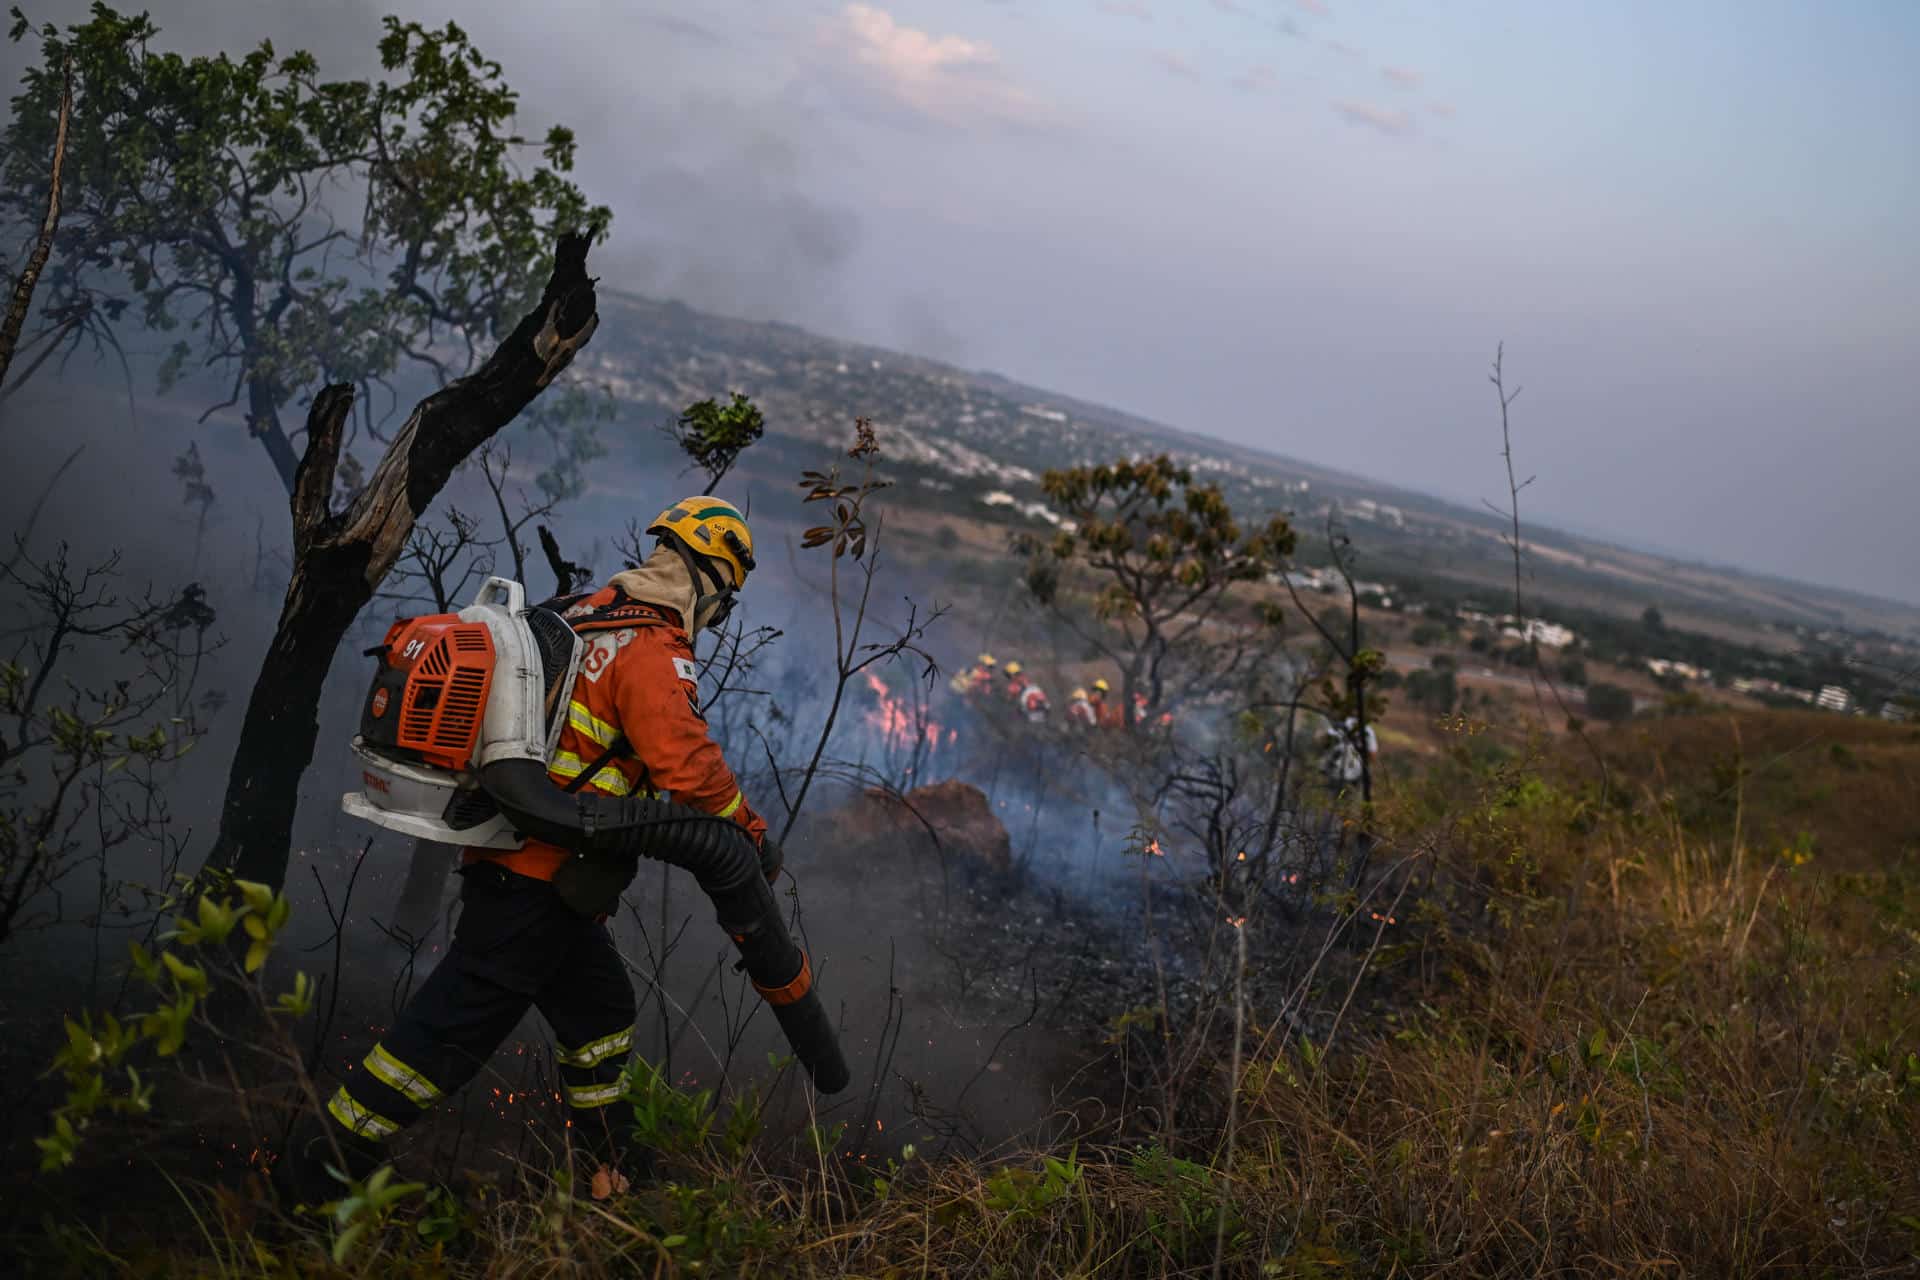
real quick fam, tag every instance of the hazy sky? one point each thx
(1300, 224)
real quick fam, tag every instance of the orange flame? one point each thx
(1236, 921)
(1153, 847)
(898, 723)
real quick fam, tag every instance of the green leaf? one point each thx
(343, 1244)
(191, 977)
(257, 896)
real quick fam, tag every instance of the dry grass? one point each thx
(1668, 1030)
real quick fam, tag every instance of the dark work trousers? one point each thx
(516, 944)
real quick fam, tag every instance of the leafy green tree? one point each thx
(293, 231)
(1436, 690)
(289, 230)
(1609, 702)
(21, 301)
(1165, 554)
(714, 435)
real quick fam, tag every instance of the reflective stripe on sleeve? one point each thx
(733, 806)
(400, 1077)
(567, 766)
(583, 1097)
(590, 726)
(598, 1051)
(357, 1119)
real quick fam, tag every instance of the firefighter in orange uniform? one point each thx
(1016, 686)
(978, 681)
(633, 725)
(1106, 714)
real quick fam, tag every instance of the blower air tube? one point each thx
(613, 832)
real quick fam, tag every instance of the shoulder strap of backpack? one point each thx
(617, 748)
(617, 614)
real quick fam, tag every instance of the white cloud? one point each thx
(1402, 76)
(1175, 64)
(1125, 9)
(1314, 7)
(1343, 49)
(1385, 119)
(1442, 109)
(945, 77)
(1230, 6)
(1256, 78)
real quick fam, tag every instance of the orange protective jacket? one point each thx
(640, 682)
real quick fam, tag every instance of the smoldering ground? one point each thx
(960, 996)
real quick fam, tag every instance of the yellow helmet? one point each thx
(986, 659)
(1079, 695)
(712, 528)
(1013, 668)
(1102, 685)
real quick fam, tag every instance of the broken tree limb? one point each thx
(312, 497)
(565, 572)
(340, 558)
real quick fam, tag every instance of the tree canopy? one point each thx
(288, 230)
(1166, 551)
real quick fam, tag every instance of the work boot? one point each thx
(300, 1175)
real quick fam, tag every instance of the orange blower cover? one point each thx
(441, 670)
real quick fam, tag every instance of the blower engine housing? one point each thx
(455, 692)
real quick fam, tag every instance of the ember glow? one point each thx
(1153, 847)
(1236, 921)
(896, 721)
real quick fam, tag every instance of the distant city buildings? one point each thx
(1834, 698)
(1375, 512)
(1043, 413)
(1682, 670)
(1032, 510)
(1759, 686)
(1548, 635)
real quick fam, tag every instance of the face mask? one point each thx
(712, 610)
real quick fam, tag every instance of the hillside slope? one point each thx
(980, 432)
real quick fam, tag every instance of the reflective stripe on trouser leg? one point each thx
(359, 1120)
(593, 1074)
(595, 1086)
(595, 1052)
(398, 1076)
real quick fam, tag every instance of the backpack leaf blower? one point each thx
(456, 733)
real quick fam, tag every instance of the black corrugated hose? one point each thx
(609, 834)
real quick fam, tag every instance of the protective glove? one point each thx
(772, 856)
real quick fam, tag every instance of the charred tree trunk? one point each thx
(339, 559)
(23, 288)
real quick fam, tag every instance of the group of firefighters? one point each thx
(1089, 708)
(1340, 746)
